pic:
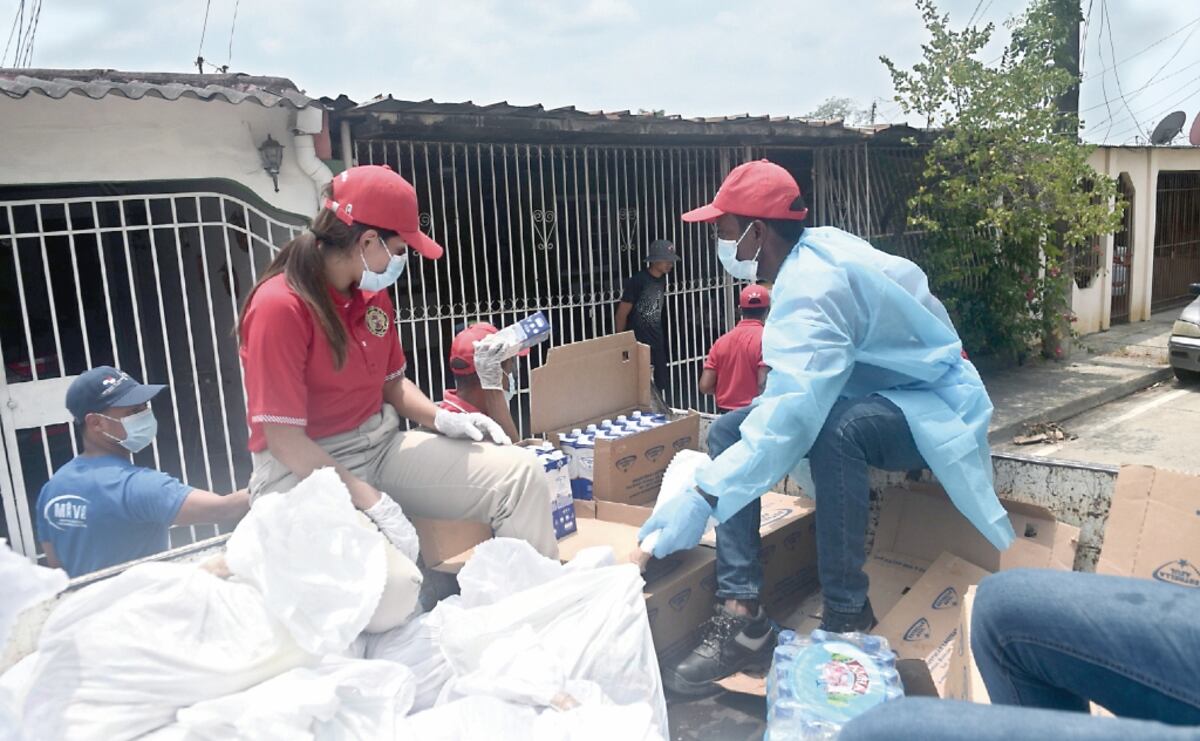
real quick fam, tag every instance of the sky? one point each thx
(689, 57)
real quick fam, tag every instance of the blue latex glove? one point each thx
(679, 523)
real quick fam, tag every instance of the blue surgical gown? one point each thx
(848, 321)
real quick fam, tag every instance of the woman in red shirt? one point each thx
(325, 383)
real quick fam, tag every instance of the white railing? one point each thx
(152, 283)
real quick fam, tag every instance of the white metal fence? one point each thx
(150, 283)
(557, 228)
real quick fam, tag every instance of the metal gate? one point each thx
(149, 282)
(1122, 267)
(1176, 239)
(557, 228)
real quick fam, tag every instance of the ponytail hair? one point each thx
(302, 261)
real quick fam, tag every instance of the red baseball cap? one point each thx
(759, 190)
(463, 347)
(378, 196)
(754, 297)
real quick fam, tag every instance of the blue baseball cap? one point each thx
(104, 387)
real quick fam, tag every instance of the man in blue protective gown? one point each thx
(866, 370)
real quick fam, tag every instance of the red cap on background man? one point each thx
(462, 349)
(759, 190)
(377, 196)
(754, 297)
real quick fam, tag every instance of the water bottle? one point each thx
(819, 682)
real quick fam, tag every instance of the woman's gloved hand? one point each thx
(390, 520)
(472, 426)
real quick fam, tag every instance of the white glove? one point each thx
(390, 520)
(472, 426)
(490, 352)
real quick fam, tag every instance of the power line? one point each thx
(1087, 22)
(1147, 86)
(1162, 112)
(975, 12)
(1113, 49)
(13, 32)
(1158, 71)
(36, 13)
(203, 31)
(1116, 64)
(1172, 96)
(232, 28)
(1103, 78)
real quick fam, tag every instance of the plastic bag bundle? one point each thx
(25, 585)
(324, 589)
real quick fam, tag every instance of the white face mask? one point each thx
(746, 270)
(140, 429)
(372, 281)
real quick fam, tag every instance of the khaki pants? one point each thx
(433, 476)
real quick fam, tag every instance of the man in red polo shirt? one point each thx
(734, 369)
(468, 396)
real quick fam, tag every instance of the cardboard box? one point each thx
(679, 589)
(788, 552)
(587, 382)
(963, 681)
(916, 527)
(921, 522)
(1153, 528)
(924, 624)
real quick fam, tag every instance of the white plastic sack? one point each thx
(25, 585)
(337, 700)
(487, 717)
(416, 644)
(592, 621)
(119, 658)
(478, 717)
(308, 552)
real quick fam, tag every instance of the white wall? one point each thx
(1093, 305)
(78, 139)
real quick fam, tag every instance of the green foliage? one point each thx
(1007, 195)
(846, 109)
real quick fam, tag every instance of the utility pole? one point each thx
(1069, 14)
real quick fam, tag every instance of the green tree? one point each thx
(1007, 196)
(846, 109)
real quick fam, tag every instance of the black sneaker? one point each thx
(857, 622)
(728, 644)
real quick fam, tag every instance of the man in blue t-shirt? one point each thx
(100, 509)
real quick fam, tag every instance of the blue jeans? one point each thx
(857, 434)
(1053, 641)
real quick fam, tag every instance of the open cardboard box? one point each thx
(788, 551)
(587, 382)
(1153, 528)
(679, 589)
(1152, 532)
(924, 558)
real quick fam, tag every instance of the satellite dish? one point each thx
(1168, 128)
(1194, 136)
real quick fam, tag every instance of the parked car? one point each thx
(1184, 344)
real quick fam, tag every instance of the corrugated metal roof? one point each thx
(388, 104)
(386, 116)
(270, 92)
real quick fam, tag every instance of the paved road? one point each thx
(1159, 427)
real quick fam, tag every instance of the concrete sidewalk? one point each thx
(1102, 367)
